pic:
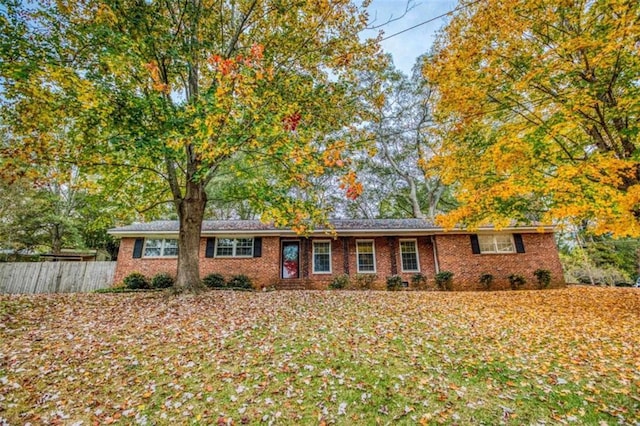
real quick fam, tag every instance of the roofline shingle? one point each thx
(340, 226)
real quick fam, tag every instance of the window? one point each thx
(409, 256)
(322, 257)
(366, 256)
(160, 248)
(244, 247)
(496, 243)
(234, 247)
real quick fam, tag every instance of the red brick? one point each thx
(454, 254)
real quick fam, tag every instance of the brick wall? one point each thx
(262, 270)
(387, 251)
(146, 266)
(455, 255)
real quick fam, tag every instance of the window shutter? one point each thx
(257, 247)
(475, 244)
(211, 247)
(137, 248)
(517, 238)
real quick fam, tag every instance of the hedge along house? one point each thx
(278, 257)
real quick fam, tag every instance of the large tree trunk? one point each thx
(191, 214)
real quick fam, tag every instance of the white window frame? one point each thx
(163, 243)
(313, 256)
(234, 247)
(415, 245)
(373, 250)
(495, 244)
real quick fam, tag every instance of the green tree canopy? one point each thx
(156, 99)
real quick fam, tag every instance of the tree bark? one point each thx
(191, 214)
(56, 239)
(413, 197)
(435, 194)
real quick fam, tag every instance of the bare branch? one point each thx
(409, 5)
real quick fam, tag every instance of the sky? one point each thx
(406, 47)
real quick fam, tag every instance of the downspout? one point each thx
(435, 254)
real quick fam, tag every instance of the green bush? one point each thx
(135, 281)
(516, 281)
(394, 283)
(486, 280)
(162, 280)
(240, 282)
(339, 282)
(543, 276)
(444, 280)
(364, 281)
(214, 281)
(418, 281)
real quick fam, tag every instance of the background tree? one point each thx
(394, 184)
(538, 105)
(18, 206)
(598, 259)
(168, 95)
(52, 216)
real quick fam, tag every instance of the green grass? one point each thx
(527, 357)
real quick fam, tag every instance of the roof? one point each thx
(341, 227)
(69, 256)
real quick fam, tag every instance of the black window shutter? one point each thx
(517, 238)
(475, 244)
(211, 247)
(137, 248)
(257, 247)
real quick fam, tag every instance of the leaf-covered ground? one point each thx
(525, 357)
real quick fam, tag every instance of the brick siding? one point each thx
(454, 254)
(146, 266)
(263, 271)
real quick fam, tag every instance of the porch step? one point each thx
(292, 284)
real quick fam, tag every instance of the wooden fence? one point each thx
(55, 277)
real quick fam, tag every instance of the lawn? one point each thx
(516, 357)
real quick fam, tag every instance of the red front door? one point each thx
(290, 259)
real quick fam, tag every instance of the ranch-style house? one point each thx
(276, 257)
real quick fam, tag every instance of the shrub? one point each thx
(240, 282)
(516, 281)
(394, 283)
(444, 280)
(136, 281)
(364, 281)
(486, 280)
(418, 281)
(339, 282)
(162, 280)
(214, 281)
(543, 276)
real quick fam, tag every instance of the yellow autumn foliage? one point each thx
(538, 109)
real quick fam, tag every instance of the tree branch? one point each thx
(232, 44)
